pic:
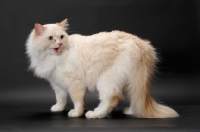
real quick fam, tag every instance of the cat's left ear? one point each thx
(63, 24)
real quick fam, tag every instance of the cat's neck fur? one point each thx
(45, 65)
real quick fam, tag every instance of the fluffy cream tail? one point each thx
(142, 105)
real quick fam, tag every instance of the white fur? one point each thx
(110, 62)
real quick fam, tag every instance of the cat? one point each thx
(116, 64)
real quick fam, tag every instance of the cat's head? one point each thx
(50, 39)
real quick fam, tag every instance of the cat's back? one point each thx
(103, 38)
(114, 41)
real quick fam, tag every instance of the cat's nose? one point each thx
(59, 44)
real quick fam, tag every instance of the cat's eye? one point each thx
(50, 37)
(62, 36)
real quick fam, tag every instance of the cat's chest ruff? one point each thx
(51, 70)
(44, 70)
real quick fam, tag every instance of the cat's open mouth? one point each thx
(56, 50)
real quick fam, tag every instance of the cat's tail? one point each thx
(142, 104)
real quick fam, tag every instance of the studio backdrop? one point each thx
(172, 26)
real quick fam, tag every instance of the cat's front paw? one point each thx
(75, 113)
(95, 114)
(57, 108)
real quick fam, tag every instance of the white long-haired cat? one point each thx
(113, 63)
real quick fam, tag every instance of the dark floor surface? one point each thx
(28, 109)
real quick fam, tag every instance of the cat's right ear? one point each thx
(63, 24)
(38, 29)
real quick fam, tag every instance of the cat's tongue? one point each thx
(56, 50)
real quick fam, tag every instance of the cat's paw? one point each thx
(127, 111)
(57, 108)
(95, 114)
(75, 113)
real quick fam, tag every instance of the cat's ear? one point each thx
(63, 24)
(39, 29)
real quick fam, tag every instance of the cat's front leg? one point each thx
(77, 93)
(61, 99)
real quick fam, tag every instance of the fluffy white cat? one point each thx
(113, 63)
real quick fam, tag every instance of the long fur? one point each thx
(109, 62)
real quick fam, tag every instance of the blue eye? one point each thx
(50, 37)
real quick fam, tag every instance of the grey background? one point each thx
(171, 26)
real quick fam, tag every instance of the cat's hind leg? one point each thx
(128, 111)
(61, 99)
(109, 86)
(109, 98)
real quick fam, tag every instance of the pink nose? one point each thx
(59, 44)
